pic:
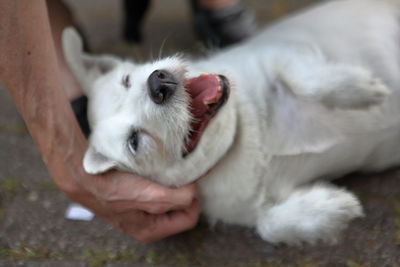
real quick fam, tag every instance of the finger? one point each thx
(152, 207)
(159, 199)
(126, 206)
(130, 217)
(117, 186)
(124, 191)
(145, 191)
(168, 224)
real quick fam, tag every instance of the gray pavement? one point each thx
(33, 231)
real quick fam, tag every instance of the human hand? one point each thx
(135, 205)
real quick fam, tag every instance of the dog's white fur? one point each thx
(314, 97)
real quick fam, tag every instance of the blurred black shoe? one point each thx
(134, 12)
(79, 106)
(225, 26)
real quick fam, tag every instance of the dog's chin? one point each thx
(208, 93)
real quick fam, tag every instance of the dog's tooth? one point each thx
(210, 101)
(219, 88)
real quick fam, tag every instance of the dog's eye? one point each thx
(126, 81)
(133, 141)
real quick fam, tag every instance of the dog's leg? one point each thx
(334, 85)
(309, 214)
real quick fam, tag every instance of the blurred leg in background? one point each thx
(218, 23)
(134, 12)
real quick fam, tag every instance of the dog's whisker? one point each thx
(151, 54)
(162, 46)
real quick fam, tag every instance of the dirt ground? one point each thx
(34, 232)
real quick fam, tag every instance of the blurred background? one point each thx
(34, 231)
(168, 24)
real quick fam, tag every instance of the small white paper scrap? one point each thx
(78, 213)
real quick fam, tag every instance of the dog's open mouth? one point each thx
(208, 93)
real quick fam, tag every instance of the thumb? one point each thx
(166, 199)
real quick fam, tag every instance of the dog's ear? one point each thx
(101, 64)
(86, 68)
(94, 162)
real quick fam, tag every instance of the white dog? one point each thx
(265, 124)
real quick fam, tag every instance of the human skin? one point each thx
(216, 4)
(31, 73)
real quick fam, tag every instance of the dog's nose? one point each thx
(161, 85)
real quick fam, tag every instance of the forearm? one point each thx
(30, 72)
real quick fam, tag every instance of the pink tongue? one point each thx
(203, 89)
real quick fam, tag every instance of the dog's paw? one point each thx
(309, 215)
(357, 91)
